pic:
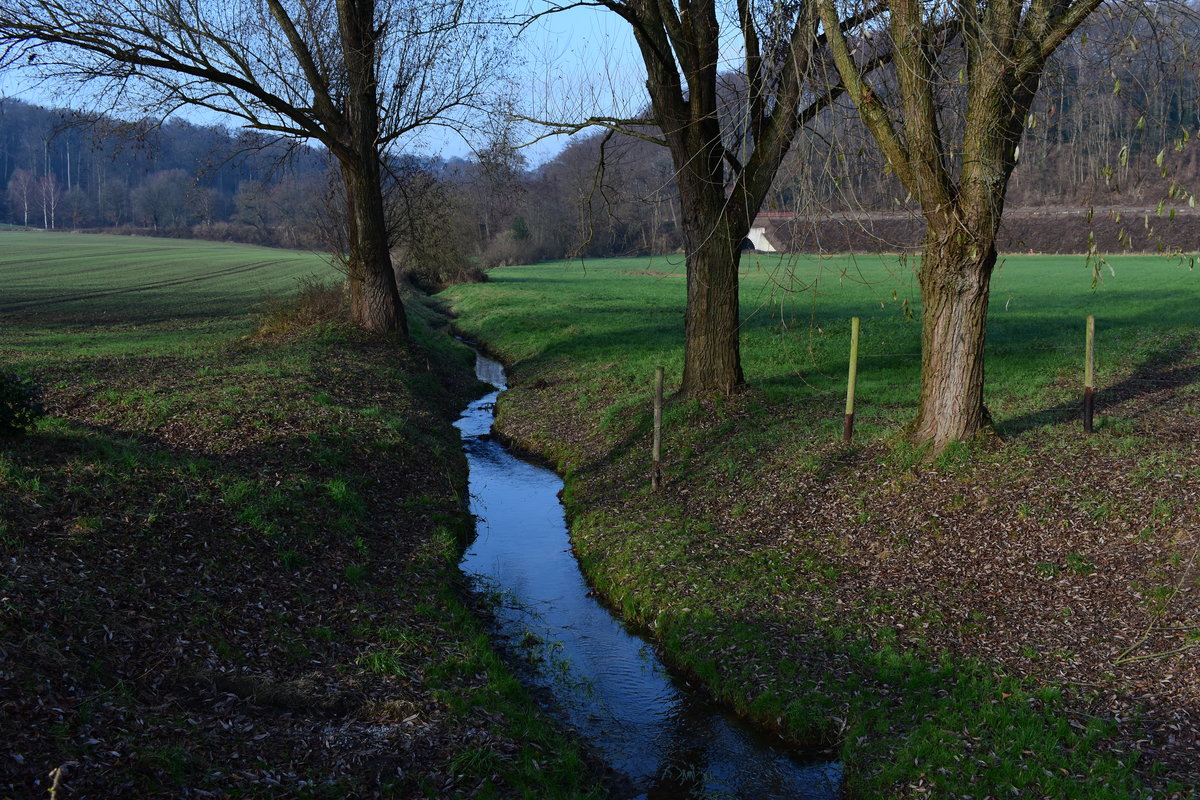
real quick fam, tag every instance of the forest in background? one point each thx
(1112, 129)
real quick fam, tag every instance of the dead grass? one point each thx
(315, 302)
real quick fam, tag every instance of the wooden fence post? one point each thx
(1089, 375)
(848, 428)
(656, 471)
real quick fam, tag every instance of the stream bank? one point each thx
(228, 566)
(956, 626)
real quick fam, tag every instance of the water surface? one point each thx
(606, 682)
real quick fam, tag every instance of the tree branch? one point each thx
(873, 111)
(615, 124)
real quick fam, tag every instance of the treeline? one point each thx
(62, 169)
(596, 198)
(1112, 127)
(66, 170)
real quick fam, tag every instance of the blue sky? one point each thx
(573, 64)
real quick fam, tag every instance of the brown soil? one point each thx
(1043, 230)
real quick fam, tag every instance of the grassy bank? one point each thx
(1015, 616)
(229, 560)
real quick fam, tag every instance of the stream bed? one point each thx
(606, 682)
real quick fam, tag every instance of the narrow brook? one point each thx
(605, 681)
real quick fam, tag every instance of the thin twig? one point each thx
(57, 774)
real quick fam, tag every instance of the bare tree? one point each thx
(161, 200)
(435, 237)
(20, 193)
(728, 126)
(49, 195)
(958, 172)
(355, 75)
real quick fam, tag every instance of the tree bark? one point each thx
(954, 276)
(713, 229)
(374, 297)
(712, 361)
(375, 303)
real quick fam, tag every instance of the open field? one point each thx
(227, 560)
(64, 282)
(796, 310)
(105, 276)
(1016, 617)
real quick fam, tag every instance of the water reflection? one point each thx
(608, 682)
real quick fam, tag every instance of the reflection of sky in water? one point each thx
(673, 742)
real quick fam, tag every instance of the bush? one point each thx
(20, 405)
(506, 249)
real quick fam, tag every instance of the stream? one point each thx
(606, 682)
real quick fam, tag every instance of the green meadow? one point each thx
(121, 275)
(64, 289)
(796, 313)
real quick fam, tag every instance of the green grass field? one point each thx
(796, 314)
(984, 624)
(214, 523)
(63, 289)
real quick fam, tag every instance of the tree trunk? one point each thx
(712, 361)
(712, 358)
(374, 298)
(954, 277)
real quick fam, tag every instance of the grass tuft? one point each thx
(315, 303)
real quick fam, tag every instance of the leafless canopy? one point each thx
(275, 65)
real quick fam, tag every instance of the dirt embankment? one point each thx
(1043, 230)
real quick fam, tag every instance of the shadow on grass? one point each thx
(826, 459)
(900, 716)
(1164, 369)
